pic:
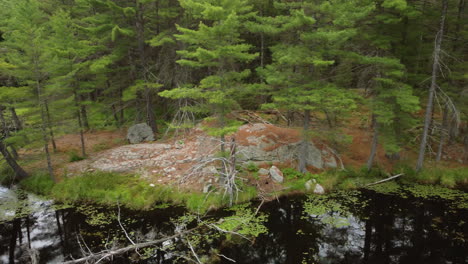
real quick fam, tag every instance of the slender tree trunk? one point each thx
(84, 114)
(304, 148)
(140, 29)
(42, 105)
(49, 125)
(443, 132)
(46, 144)
(80, 124)
(15, 118)
(116, 117)
(375, 139)
(430, 100)
(121, 105)
(19, 172)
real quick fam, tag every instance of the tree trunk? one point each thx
(140, 29)
(49, 124)
(15, 118)
(116, 117)
(84, 115)
(430, 100)
(19, 172)
(443, 132)
(304, 148)
(42, 106)
(375, 139)
(80, 124)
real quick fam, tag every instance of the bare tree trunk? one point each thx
(15, 118)
(49, 124)
(375, 140)
(430, 100)
(443, 132)
(304, 148)
(80, 124)
(19, 172)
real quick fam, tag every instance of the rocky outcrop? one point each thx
(268, 143)
(140, 133)
(166, 162)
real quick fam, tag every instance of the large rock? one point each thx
(268, 143)
(139, 133)
(276, 174)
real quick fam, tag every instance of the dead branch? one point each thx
(384, 180)
(110, 253)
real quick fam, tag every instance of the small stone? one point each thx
(263, 172)
(171, 169)
(319, 189)
(207, 188)
(308, 185)
(276, 174)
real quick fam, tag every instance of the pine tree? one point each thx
(25, 35)
(216, 46)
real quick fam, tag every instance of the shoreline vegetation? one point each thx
(132, 192)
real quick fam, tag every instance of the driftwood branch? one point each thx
(110, 253)
(384, 180)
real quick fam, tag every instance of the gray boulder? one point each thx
(276, 174)
(139, 133)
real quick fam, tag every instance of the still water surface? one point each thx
(356, 227)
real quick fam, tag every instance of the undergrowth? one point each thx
(127, 190)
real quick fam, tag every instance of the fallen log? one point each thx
(385, 180)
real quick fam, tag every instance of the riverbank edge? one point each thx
(133, 192)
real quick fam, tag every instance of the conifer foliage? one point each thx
(77, 65)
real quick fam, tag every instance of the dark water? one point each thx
(368, 228)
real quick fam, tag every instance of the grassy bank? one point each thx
(128, 190)
(133, 192)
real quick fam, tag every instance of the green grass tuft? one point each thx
(40, 183)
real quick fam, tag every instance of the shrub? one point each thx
(6, 174)
(40, 183)
(73, 156)
(252, 167)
